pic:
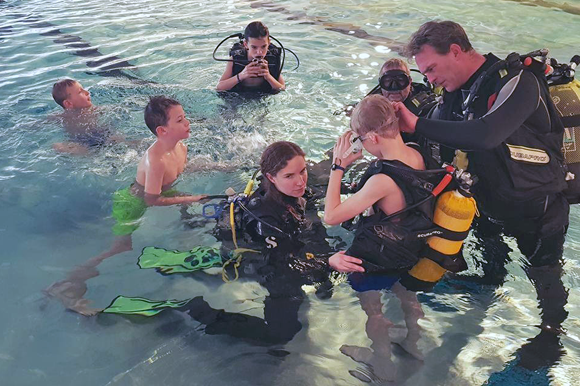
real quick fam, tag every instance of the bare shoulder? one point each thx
(153, 161)
(182, 151)
(416, 160)
(381, 184)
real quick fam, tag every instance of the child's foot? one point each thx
(380, 367)
(356, 353)
(82, 307)
(411, 348)
(70, 294)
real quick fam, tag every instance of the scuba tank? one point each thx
(454, 212)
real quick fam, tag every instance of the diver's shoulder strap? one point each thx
(238, 51)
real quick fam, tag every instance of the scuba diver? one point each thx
(502, 114)
(255, 64)
(293, 246)
(273, 220)
(396, 85)
(388, 245)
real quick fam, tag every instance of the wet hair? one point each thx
(375, 113)
(256, 29)
(275, 158)
(60, 90)
(394, 64)
(156, 111)
(440, 35)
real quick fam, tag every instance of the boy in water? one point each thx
(158, 170)
(258, 74)
(79, 119)
(374, 123)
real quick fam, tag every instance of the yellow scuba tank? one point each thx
(454, 212)
(566, 98)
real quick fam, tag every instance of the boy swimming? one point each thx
(80, 119)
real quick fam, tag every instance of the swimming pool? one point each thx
(55, 210)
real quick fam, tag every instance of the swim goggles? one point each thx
(394, 80)
(356, 145)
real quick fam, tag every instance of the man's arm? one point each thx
(516, 101)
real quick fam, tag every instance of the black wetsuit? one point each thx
(518, 190)
(522, 199)
(294, 254)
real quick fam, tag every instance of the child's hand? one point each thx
(341, 147)
(196, 198)
(263, 65)
(252, 70)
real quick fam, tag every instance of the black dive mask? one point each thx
(394, 80)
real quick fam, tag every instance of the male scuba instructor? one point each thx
(513, 135)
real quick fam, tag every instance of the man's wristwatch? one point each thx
(337, 167)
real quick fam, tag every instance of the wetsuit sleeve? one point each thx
(516, 101)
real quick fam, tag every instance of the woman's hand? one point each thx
(341, 147)
(345, 263)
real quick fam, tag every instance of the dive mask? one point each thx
(394, 80)
(356, 145)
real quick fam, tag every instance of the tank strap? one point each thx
(572, 121)
(454, 263)
(443, 233)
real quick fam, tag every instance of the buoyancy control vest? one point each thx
(397, 243)
(529, 163)
(239, 55)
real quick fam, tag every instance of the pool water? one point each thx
(55, 209)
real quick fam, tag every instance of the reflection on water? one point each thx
(55, 209)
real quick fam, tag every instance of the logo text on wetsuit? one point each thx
(528, 154)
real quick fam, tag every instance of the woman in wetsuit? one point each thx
(294, 252)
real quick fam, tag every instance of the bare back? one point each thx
(394, 200)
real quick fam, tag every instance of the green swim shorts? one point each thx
(128, 210)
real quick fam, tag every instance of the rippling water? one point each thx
(55, 210)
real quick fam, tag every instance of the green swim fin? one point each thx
(140, 306)
(168, 261)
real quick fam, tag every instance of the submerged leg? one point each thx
(279, 326)
(71, 290)
(378, 357)
(412, 312)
